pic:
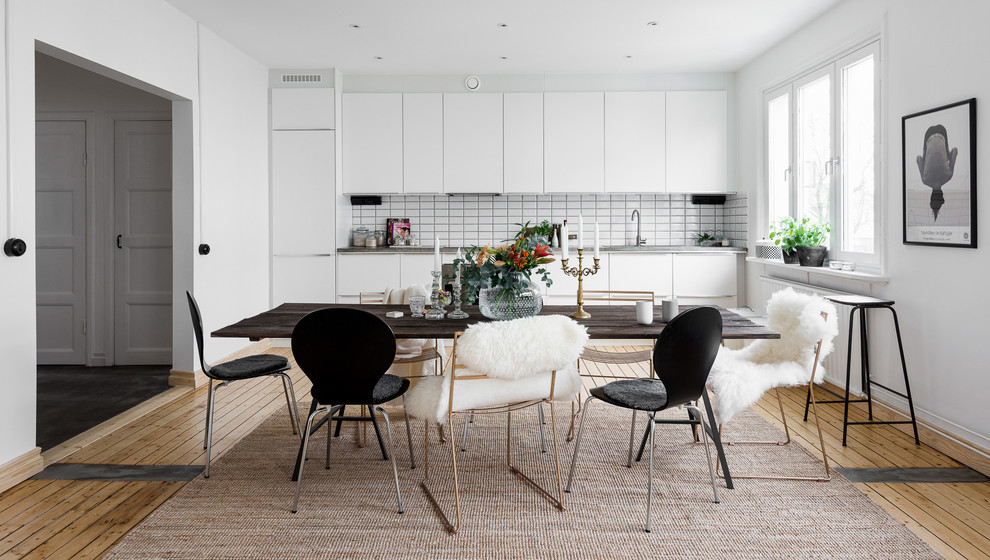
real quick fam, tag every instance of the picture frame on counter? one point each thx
(398, 232)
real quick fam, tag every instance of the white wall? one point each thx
(153, 46)
(935, 53)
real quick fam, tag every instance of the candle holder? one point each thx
(457, 313)
(580, 272)
(436, 311)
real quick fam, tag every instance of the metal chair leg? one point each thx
(209, 407)
(290, 401)
(577, 443)
(378, 432)
(543, 430)
(467, 420)
(395, 468)
(708, 452)
(632, 438)
(907, 384)
(210, 410)
(649, 485)
(405, 413)
(305, 447)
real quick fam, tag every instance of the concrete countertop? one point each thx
(609, 249)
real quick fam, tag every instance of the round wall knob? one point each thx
(14, 247)
(204, 249)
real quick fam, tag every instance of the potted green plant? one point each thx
(801, 242)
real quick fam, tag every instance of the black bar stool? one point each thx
(861, 304)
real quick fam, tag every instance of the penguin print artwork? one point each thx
(936, 164)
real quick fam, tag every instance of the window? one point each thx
(822, 152)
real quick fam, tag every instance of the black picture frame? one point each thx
(938, 170)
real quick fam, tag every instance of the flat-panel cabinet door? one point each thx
(303, 280)
(302, 109)
(416, 269)
(372, 143)
(635, 133)
(564, 285)
(523, 152)
(358, 273)
(574, 145)
(422, 142)
(472, 142)
(705, 275)
(648, 271)
(303, 192)
(697, 141)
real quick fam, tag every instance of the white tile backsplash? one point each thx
(666, 219)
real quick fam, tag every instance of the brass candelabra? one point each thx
(580, 272)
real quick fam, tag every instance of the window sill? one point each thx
(867, 277)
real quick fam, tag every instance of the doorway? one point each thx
(104, 265)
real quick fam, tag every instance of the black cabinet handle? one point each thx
(119, 246)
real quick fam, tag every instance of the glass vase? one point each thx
(503, 304)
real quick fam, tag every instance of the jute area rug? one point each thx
(349, 511)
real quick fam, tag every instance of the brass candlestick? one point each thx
(580, 272)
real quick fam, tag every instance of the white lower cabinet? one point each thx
(358, 273)
(642, 272)
(705, 278)
(563, 291)
(307, 279)
(416, 269)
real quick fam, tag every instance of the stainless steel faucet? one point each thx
(640, 240)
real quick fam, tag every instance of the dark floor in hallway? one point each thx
(73, 399)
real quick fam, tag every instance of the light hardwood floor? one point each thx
(78, 519)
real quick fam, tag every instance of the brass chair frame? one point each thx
(787, 432)
(507, 409)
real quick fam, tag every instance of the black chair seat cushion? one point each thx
(388, 387)
(250, 366)
(640, 394)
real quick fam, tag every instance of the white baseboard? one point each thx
(21, 468)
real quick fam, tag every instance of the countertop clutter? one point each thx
(607, 249)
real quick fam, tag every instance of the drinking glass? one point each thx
(417, 304)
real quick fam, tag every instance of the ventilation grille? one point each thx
(302, 78)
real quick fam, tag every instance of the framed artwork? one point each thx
(939, 169)
(398, 230)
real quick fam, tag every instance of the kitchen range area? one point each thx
(472, 168)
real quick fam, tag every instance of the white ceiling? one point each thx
(541, 36)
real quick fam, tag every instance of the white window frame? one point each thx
(833, 68)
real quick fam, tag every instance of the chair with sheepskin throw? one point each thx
(501, 367)
(739, 378)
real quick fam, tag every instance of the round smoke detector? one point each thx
(472, 83)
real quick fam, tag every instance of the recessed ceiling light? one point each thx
(651, 23)
(628, 56)
(354, 26)
(504, 57)
(378, 58)
(503, 25)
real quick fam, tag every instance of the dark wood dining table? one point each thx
(606, 322)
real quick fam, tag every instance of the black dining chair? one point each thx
(248, 367)
(345, 353)
(682, 358)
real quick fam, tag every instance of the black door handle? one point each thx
(119, 246)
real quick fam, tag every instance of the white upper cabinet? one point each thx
(422, 142)
(302, 109)
(574, 145)
(303, 192)
(635, 129)
(372, 143)
(523, 146)
(697, 141)
(472, 142)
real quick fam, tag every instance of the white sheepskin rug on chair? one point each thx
(518, 357)
(740, 377)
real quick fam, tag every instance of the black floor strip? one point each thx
(147, 473)
(914, 475)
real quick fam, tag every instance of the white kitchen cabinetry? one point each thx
(372, 143)
(643, 272)
(303, 192)
(422, 143)
(574, 146)
(705, 278)
(635, 130)
(416, 269)
(472, 142)
(308, 279)
(697, 141)
(302, 109)
(523, 150)
(361, 272)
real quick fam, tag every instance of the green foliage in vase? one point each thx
(788, 233)
(508, 265)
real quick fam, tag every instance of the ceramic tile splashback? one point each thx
(667, 219)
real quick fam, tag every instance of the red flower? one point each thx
(543, 251)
